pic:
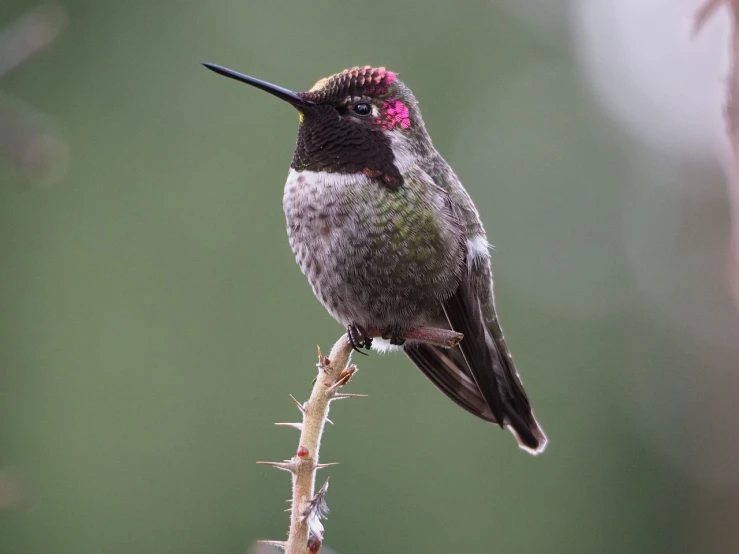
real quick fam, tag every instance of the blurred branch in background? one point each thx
(38, 153)
(732, 127)
(12, 489)
(721, 508)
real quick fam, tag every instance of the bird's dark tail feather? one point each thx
(491, 364)
(479, 374)
(448, 370)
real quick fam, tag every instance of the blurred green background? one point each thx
(153, 320)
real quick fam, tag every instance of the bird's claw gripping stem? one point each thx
(358, 338)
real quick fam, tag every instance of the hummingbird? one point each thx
(391, 241)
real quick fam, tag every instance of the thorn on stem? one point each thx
(340, 395)
(282, 545)
(347, 374)
(298, 426)
(321, 466)
(300, 406)
(343, 379)
(285, 466)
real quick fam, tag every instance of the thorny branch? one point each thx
(732, 127)
(334, 371)
(307, 508)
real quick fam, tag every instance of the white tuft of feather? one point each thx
(477, 247)
(383, 346)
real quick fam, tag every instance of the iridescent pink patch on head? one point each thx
(357, 81)
(394, 113)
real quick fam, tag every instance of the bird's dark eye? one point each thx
(362, 109)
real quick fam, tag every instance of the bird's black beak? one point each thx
(287, 95)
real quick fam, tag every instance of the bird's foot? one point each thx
(445, 338)
(358, 337)
(396, 337)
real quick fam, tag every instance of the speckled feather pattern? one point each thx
(374, 256)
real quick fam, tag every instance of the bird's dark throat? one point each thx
(333, 143)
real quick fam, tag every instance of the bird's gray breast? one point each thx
(376, 257)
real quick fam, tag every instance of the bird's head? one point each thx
(361, 120)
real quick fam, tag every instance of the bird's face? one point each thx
(361, 120)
